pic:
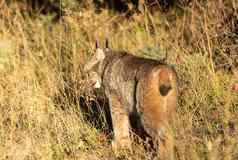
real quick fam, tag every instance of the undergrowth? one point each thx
(42, 83)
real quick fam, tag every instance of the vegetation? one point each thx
(47, 109)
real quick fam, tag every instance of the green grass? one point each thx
(41, 81)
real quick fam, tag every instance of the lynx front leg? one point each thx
(120, 121)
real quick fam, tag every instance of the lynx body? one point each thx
(142, 93)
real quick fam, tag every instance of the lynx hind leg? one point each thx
(165, 143)
(120, 122)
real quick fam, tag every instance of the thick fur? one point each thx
(140, 90)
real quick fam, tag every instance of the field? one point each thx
(47, 108)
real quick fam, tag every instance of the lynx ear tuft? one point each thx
(107, 43)
(96, 44)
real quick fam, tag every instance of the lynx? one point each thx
(141, 93)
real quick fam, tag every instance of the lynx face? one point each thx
(96, 60)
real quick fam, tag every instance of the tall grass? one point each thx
(41, 81)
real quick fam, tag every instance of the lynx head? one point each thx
(94, 66)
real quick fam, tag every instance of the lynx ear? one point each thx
(95, 59)
(100, 54)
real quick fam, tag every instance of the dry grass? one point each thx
(41, 82)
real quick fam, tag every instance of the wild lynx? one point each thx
(140, 91)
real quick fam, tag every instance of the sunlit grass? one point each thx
(41, 82)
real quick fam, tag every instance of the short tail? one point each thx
(166, 80)
(164, 90)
